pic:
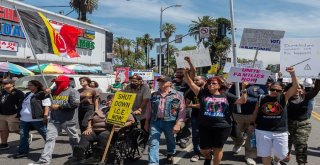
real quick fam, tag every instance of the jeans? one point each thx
(156, 128)
(52, 134)
(310, 107)
(195, 135)
(24, 134)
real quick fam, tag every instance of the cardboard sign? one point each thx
(261, 39)
(106, 67)
(302, 54)
(123, 74)
(257, 65)
(120, 108)
(250, 75)
(199, 57)
(144, 75)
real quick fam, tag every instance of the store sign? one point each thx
(9, 46)
(85, 44)
(10, 28)
(89, 34)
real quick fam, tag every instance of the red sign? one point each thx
(9, 46)
(8, 14)
(123, 74)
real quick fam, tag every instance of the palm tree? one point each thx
(168, 29)
(82, 7)
(148, 45)
(205, 21)
(219, 45)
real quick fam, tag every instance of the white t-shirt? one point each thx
(26, 114)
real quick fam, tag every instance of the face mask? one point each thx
(134, 86)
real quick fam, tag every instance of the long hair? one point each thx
(37, 84)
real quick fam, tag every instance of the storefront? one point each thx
(91, 45)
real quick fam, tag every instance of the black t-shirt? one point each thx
(298, 111)
(214, 110)
(194, 99)
(272, 114)
(181, 86)
(10, 103)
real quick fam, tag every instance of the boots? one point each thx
(96, 156)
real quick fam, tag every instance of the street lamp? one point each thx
(160, 51)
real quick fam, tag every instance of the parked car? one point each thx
(103, 81)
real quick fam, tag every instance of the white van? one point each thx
(103, 81)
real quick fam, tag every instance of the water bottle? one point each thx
(253, 140)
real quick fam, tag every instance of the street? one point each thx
(63, 151)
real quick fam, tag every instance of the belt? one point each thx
(160, 118)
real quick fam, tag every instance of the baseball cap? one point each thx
(164, 79)
(61, 78)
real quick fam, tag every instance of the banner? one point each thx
(199, 57)
(261, 39)
(120, 108)
(250, 75)
(106, 67)
(123, 74)
(302, 54)
(144, 75)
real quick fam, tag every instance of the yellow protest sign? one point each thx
(120, 108)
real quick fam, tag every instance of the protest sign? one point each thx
(250, 75)
(123, 74)
(120, 108)
(106, 67)
(261, 39)
(214, 69)
(199, 57)
(227, 67)
(302, 54)
(257, 65)
(144, 75)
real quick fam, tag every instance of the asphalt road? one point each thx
(62, 150)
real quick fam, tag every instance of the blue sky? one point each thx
(133, 18)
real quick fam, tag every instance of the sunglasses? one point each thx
(213, 83)
(277, 90)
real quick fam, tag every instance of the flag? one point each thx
(70, 35)
(44, 38)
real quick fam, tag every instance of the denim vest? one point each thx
(172, 105)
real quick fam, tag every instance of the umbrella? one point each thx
(51, 68)
(97, 68)
(81, 68)
(14, 69)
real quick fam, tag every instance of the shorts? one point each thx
(9, 123)
(272, 142)
(213, 137)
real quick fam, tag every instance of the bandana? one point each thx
(62, 83)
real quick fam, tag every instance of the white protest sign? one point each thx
(301, 53)
(261, 39)
(144, 75)
(204, 32)
(106, 67)
(199, 57)
(257, 65)
(250, 75)
(227, 67)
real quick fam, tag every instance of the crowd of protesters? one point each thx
(273, 117)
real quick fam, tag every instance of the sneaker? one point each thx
(170, 159)
(195, 158)
(4, 146)
(236, 149)
(38, 163)
(30, 138)
(250, 161)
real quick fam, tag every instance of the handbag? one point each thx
(235, 132)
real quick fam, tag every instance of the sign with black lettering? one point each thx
(261, 39)
(120, 108)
